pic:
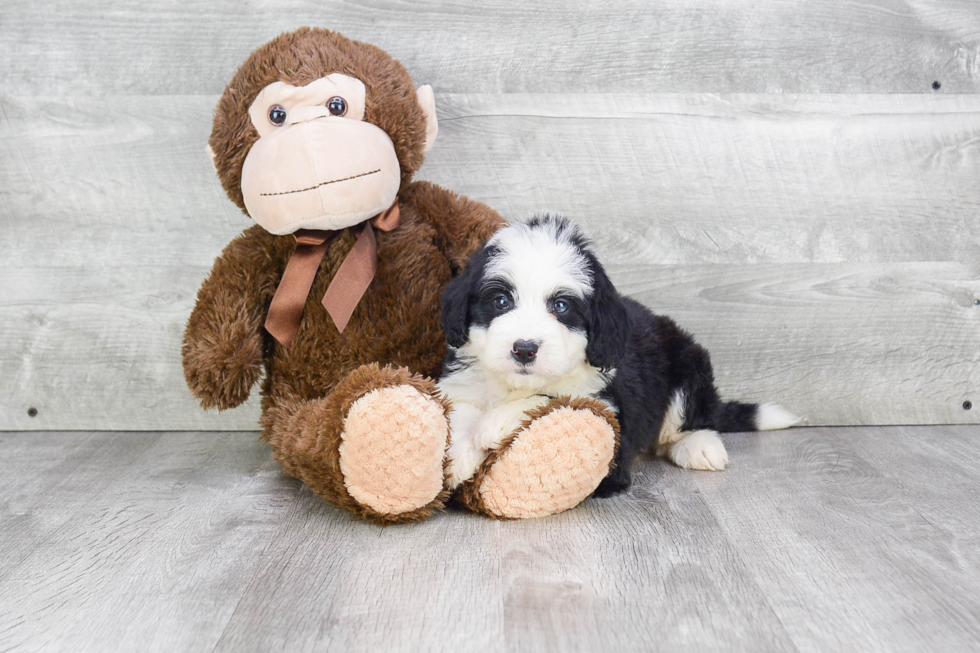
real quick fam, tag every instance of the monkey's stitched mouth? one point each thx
(326, 183)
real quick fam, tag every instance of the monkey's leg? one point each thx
(375, 446)
(551, 463)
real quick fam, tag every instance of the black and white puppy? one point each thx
(534, 316)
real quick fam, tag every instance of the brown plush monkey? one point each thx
(335, 292)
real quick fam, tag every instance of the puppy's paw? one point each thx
(464, 459)
(612, 485)
(702, 450)
(496, 425)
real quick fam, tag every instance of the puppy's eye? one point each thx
(501, 302)
(277, 115)
(337, 106)
(560, 306)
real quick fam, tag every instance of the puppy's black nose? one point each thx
(524, 351)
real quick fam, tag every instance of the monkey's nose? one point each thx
(524, 351)
(306, 115)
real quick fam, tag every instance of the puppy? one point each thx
(534, 317)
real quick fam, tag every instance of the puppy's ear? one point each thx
(456, 308)
(608, 324)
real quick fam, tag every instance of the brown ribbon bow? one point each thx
(347, 286)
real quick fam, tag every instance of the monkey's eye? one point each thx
(501, 302)
(277, 115)
(560, 306)
(337, 106)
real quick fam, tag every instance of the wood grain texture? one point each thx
(59, 466)
(352, 586)
(172, 524)
(836, 343)
(729, 179)
(824, 248)
(675, 574)
(813, 540)
(784, 46)
(848, 515)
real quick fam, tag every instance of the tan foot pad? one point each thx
(394, 442)
(550, 466)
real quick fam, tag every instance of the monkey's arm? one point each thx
(463, 224)
(223, 341)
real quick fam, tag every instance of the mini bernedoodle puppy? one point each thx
(534, 316)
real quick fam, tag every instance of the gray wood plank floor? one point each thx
(814, 540)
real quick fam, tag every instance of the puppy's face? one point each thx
(528, 320)
(526, 308)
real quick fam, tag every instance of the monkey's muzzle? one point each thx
(320, 174)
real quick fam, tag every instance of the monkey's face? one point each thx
(317, 163)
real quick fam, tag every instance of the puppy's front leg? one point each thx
(465, 455)
(497, 424)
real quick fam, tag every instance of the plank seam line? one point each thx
(293, 507)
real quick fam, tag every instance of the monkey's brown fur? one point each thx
(393, 337)
(299, 58)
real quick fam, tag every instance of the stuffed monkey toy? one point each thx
(332, 298)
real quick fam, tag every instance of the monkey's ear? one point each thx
(427, 100)
(211, 156)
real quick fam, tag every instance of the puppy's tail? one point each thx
(735, 416)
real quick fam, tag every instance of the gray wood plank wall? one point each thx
(780, 177)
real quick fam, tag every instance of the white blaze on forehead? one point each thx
(538, 261)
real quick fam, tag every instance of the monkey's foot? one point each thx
(551, 463)
(392, 450)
